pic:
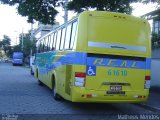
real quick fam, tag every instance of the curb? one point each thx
(26, 66)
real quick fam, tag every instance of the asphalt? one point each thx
(21, 95)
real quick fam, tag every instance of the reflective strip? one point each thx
(116, 46)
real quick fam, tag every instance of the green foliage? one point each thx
(28, 44)
(16, 48)
(122, 6)
(5, 45)
(0, 44)
(40, 10)
(1, 54)
(44, 10)
(155, 40)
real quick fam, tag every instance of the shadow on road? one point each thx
(155, 89)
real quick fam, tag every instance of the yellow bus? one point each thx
(97, 57)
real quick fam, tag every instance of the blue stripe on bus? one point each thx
(148, 63)
(71, 58)
(79, 58)
(118, 63)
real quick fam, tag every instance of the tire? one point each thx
(36, 74)
(55, 95)
(32, 73)
(40, 83)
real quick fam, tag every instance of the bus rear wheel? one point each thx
(40, 83)
(55, 95)
(31, 72)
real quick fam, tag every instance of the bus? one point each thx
(97, 57)
(17, 58)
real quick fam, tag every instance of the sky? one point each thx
(12, 24)
(140, 9)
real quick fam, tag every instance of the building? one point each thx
(155, 17)
(44, 29)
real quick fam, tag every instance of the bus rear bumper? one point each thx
(80, 95)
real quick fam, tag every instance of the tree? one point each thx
(155, 40)
(6, 45)
(16, 48)
(122, 6)
(41, 10)
(1, 54)
(44, 10)
(0, 44)
(28, 44)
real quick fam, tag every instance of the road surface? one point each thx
(21, 94)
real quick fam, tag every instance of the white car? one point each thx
(6, 60)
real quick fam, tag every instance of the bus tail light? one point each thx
(80, 79)
(147, 82)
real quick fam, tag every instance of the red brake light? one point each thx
(89, 95)
(80, 74)
(147, 77)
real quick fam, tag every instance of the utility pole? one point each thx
(22, 40)
(65, 11)
(63, 4)
(31, 38)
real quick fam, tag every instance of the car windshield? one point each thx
(17, 56)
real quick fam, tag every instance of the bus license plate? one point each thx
(115, 88)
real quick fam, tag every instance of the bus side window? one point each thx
(75, 37)
(74, 28)
(41, 47)
(58, 40)
(38, 46)
(55, 41)
(51, 41)
(46, 44)
(68, 37)
(62, 38)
